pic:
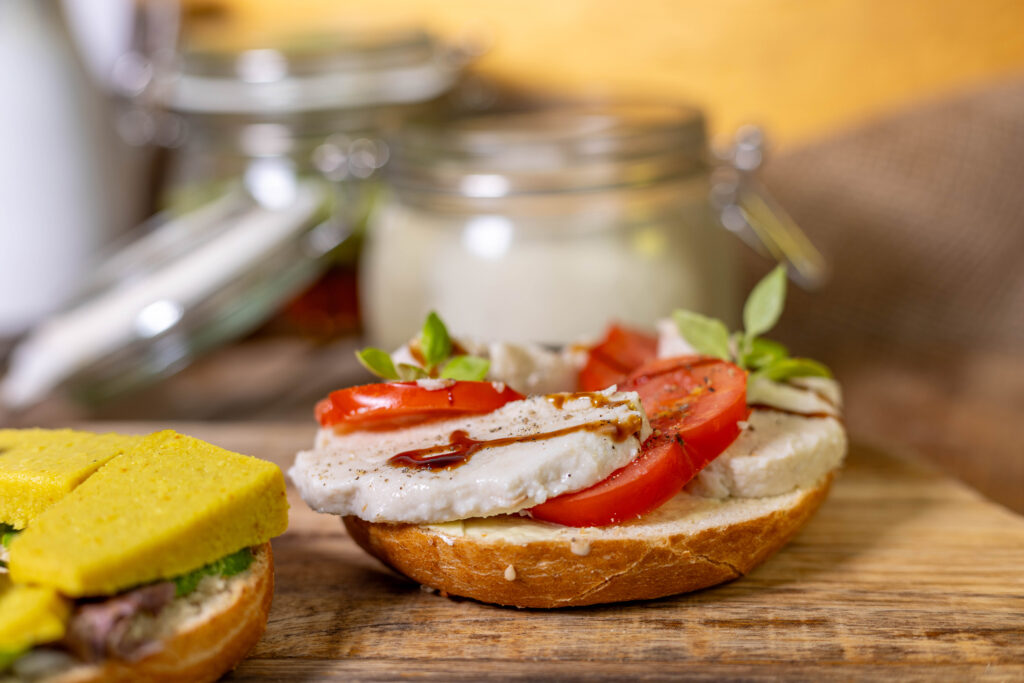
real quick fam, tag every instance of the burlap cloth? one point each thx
(922, 217)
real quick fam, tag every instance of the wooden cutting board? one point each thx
(902, 573)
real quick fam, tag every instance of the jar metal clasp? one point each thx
(748, 210)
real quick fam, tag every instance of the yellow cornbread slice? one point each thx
(38, 467)
(168, 506)
(30, 615)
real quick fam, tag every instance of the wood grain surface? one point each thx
(904, 573)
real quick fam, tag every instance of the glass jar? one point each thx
(544, 226)
(317, 105)
(270, 176)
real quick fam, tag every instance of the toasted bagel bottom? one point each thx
(688, 544)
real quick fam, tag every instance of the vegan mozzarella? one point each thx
(527, 368)
(791, 440)
(670, 342)
(556, 444)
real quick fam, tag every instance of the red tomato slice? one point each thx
(598, 374)
(391, 405)
(694, 404)
(658, 473)
(620, 352)
(698, 398)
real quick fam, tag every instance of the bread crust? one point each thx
(617, 568)
(204, 651)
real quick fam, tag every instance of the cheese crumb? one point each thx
(579, 546)
(510, 573)
(435, 384)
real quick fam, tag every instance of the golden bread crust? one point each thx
(547, 573)
(206, 650)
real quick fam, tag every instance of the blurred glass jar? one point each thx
(320, 105)
(271, 151)
(544, 226)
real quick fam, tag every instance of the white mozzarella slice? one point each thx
(670, 342)
(775, 454)
(557, 445)
(528, 368)
(822, 397)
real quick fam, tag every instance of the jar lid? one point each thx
(190, 284)
(344, 70)
(554, 149)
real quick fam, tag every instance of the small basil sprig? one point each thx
(763, 357)
(436, 347)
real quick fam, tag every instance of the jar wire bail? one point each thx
(748, 210)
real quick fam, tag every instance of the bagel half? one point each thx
(688, 544)
(201, 636)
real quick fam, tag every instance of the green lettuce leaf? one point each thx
(229, 565)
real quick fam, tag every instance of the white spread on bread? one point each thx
(562, 445)
(682, 514)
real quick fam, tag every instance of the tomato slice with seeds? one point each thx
(658, 473)
(620, 352)
(392, 405)
(699, 398)
(694, 404)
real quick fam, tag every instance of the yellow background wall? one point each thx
(800, 67)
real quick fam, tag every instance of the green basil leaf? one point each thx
(435, 343)
(411, 373)
(378, 362)
(707, 335)
(763, 352)
(793, 367)
(466, 368)
(764, 305)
